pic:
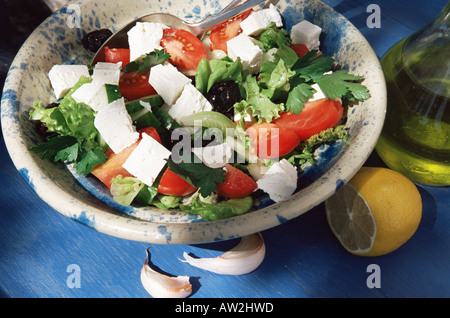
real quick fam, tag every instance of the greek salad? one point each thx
(207, 126)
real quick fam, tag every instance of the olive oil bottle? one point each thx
(415, 140)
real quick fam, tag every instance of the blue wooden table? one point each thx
(40, 250)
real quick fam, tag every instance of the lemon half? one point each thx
(375, 213)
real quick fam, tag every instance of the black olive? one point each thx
(92, 41)
(223, 96)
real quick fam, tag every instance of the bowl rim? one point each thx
(126, 227)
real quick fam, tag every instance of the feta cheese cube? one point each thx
(144, 38)
(250, 54)
(280, 181)
(257, 21)
(147, 160)
(190, 101)
(115, 126)
(64, 77)
(306, 33)
(107, 73)
(216, 156)
(318, 94)
(92, 94)
(168, 82)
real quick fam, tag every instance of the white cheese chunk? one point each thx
(190, 101)
(250, 54)
(257, 21)
(280, 181)
(144, 38)
(115, 126)
(216, 156)
(306, 33)
(318, 94)
(147, 160)
(92, 94)
(107, 73)
(64, 77)
(168, 82)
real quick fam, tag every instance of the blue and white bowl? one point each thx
(58, 40)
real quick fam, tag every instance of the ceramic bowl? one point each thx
(58, 40)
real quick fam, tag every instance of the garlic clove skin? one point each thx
(242, 259)
(162, 286)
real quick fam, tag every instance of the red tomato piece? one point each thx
(173, 184)
(237, 184)
(117, 55)
(151, 132)
(185, 49)
(227, 30)
(134, 86)
(299, 49)
(113, 166)
(271, 141)
(314, 117)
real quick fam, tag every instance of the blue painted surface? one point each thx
(303, 259)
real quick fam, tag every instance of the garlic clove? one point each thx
(162, 286)
(241, 259)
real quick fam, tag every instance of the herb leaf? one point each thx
(341, 84)
(312, 66)
(199, 175)
(297, 97)
(57, 148)
(151, 59)
(89, 159)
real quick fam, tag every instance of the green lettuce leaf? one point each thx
(275, 79)
(214, 71)
(273, 37)
(260, 105)
(125, 190)
(69, 118)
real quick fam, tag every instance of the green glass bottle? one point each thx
(415, 140)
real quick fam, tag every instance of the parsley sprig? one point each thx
(198, 174)
(311, 68)
(69, 149)
(151, 59)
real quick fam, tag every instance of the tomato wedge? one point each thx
(113, 166)
(270, 141)
(185, 49)
(117, 55)
(236, 185)
(314, 117)
(134, 86)
(227, 30)
(173, 184)
(299, 49)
